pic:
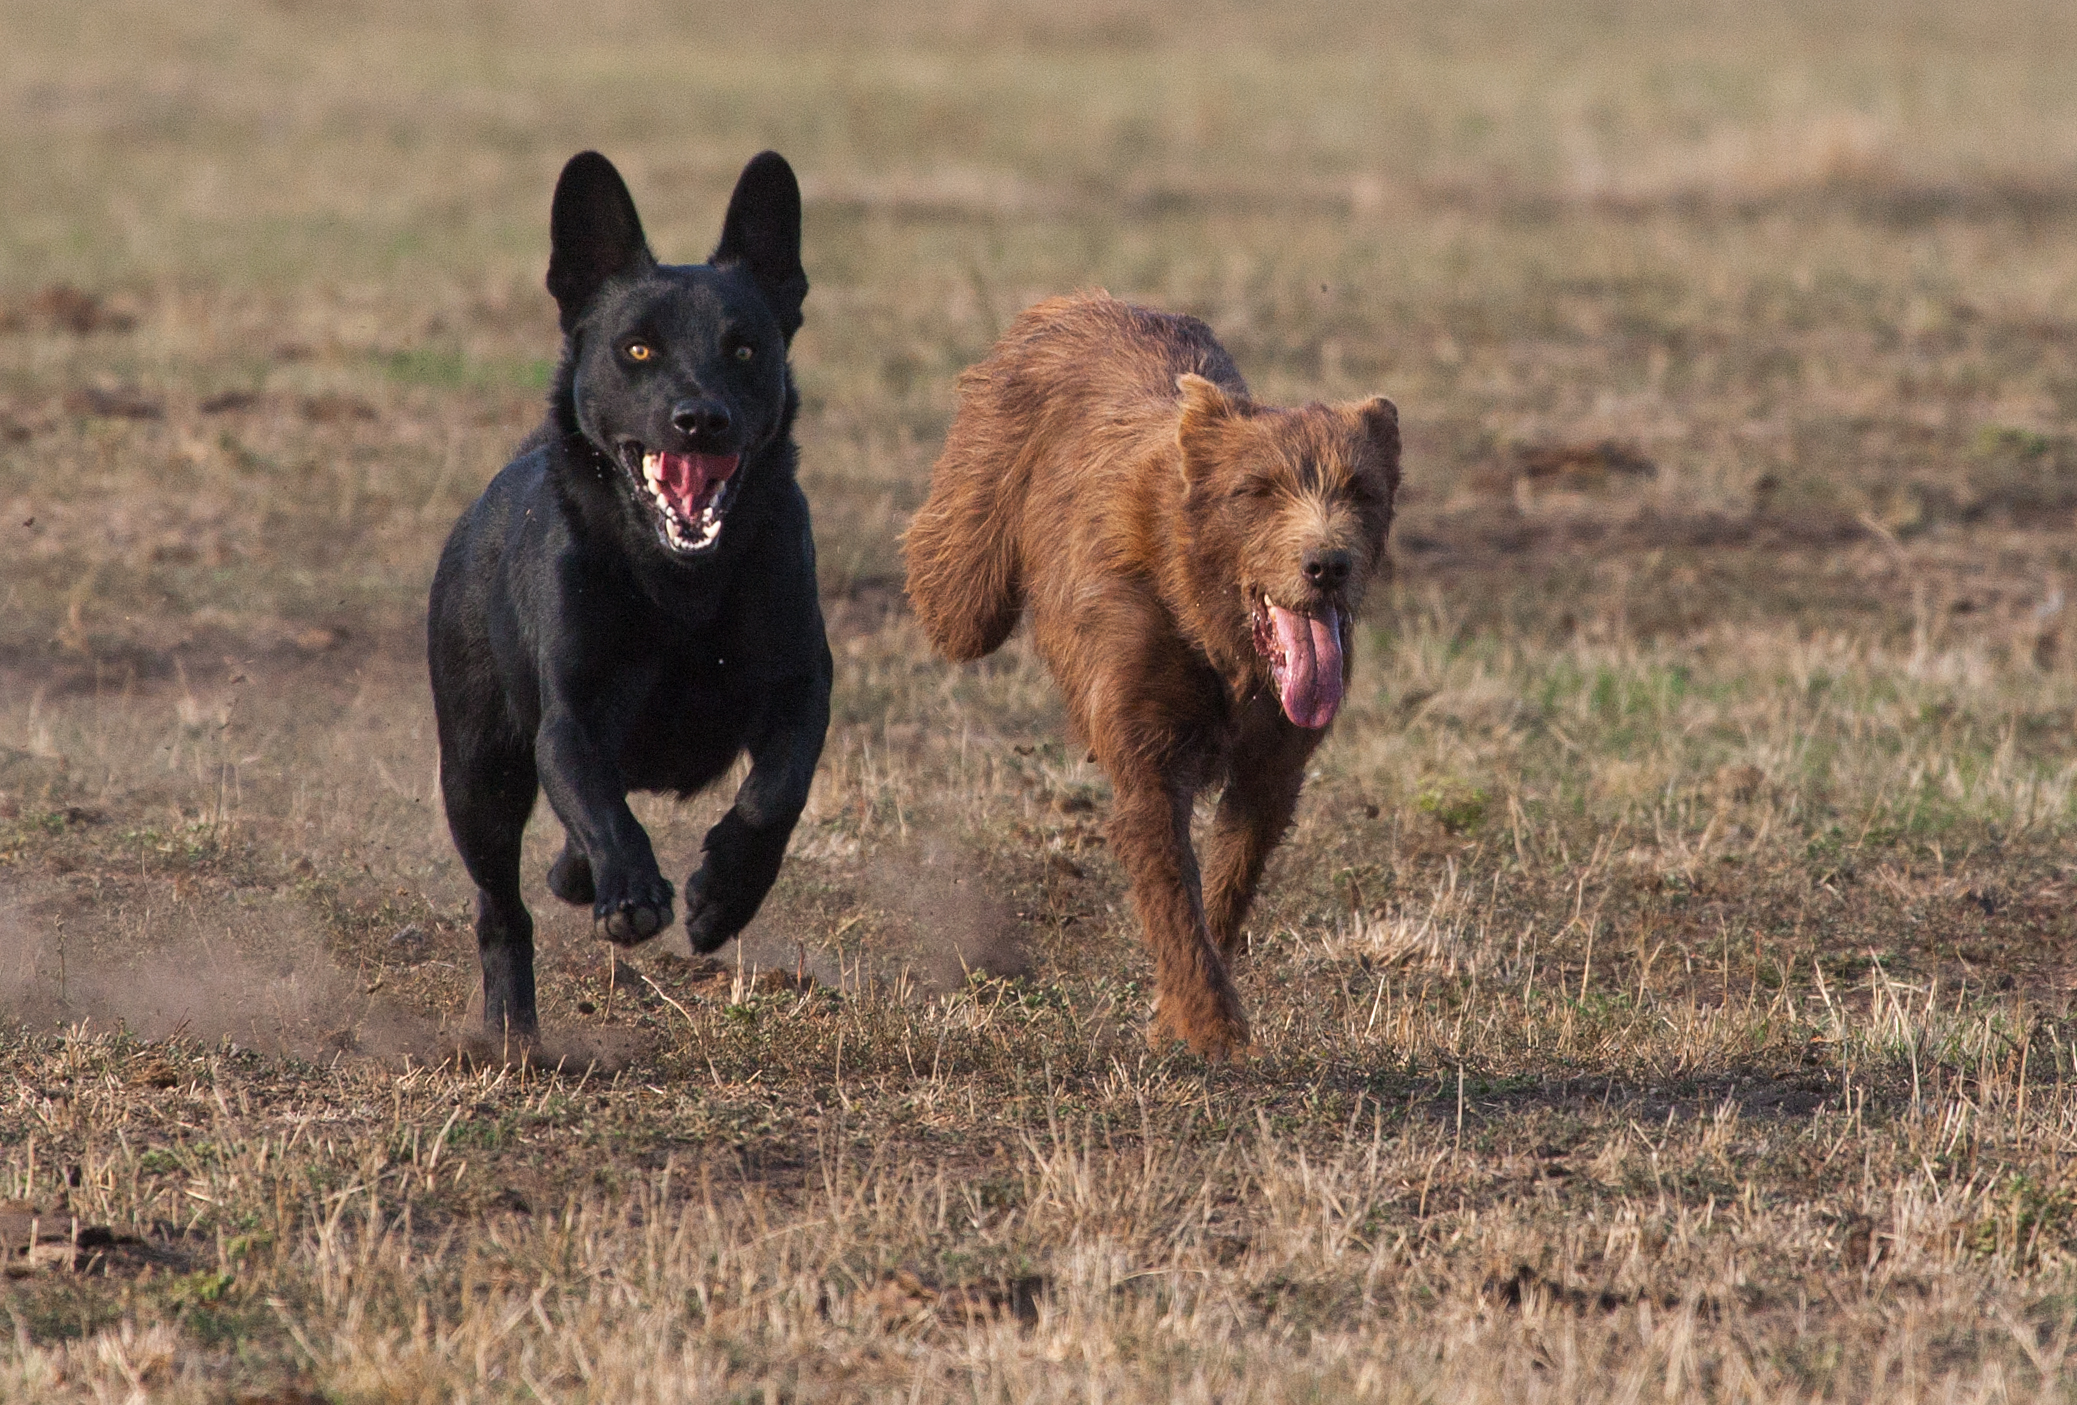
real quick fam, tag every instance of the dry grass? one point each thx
(1666, 993)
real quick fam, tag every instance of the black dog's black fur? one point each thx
(578, 645)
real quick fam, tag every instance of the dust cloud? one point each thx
(931, 916)
(248, 967)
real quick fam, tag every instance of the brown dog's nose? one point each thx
(1327, 570)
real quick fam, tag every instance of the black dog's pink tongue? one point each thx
(686, 478)
(1309, 685)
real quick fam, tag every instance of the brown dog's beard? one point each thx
(1304, 653)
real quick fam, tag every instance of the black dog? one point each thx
(631, 603)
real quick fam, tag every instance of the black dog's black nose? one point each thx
(1327, 569)
(701, 418)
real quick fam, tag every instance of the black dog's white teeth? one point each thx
(683, 535)
(710, 515)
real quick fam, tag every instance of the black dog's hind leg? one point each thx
(741, 855)
(488, 803)
(569, 877)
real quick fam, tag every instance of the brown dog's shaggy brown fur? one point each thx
(1192, 563)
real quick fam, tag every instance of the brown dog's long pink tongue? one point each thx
(1310, 689)
(687, 476)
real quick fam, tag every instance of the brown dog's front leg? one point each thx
(1266, 773)
(1150, 832)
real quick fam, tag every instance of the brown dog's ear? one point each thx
(1205, 407)
(1380, 419)
(1381, 423)
(1203, 399)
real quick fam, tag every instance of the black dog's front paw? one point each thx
(638, 911)
(712, 914)
(722, 897)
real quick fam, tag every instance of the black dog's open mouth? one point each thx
(688, 493)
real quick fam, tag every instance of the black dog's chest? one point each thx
(690, 724)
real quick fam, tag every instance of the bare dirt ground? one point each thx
(1663, 993)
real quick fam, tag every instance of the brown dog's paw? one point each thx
(1218, 1033)
(1222, 1041)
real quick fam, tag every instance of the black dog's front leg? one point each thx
(580, 771)
(741, 854)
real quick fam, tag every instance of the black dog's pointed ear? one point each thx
(762, 235)
(594, 231)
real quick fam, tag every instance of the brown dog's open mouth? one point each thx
(689, 493)
(1304, 653)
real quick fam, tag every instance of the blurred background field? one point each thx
(1665, 987)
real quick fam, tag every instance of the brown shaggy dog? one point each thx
(1193, 563)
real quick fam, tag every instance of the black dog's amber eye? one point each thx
(639, 351)
(744, 353)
